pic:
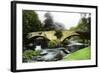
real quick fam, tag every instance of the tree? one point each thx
(48, 22)
(84, 28)
(84, 24)
(31, 23)
(59, 34)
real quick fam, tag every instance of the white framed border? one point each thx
(40, 65)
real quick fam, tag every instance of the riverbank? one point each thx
(83, 54)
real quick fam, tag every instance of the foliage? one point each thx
(83, 54)
(72, 29)
(29, 54)
(84, 24)
(53, 43)
(31, 23)
(84, 29)
(58, 34)
(48, 22)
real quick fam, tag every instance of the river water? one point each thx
(56, 54)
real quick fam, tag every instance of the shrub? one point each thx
(53, 43)
(29, 54)
(58, 34)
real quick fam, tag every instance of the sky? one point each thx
(67, 19)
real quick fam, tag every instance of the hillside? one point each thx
(83, 54)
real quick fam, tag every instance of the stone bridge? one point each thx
(50, 34)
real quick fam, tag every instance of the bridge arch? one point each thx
(69, 37)
(39, 40)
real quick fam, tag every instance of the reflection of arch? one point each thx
(39, 40)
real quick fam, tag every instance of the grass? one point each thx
(83, 54)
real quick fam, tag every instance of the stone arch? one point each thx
(39, 40)
(69, 37)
